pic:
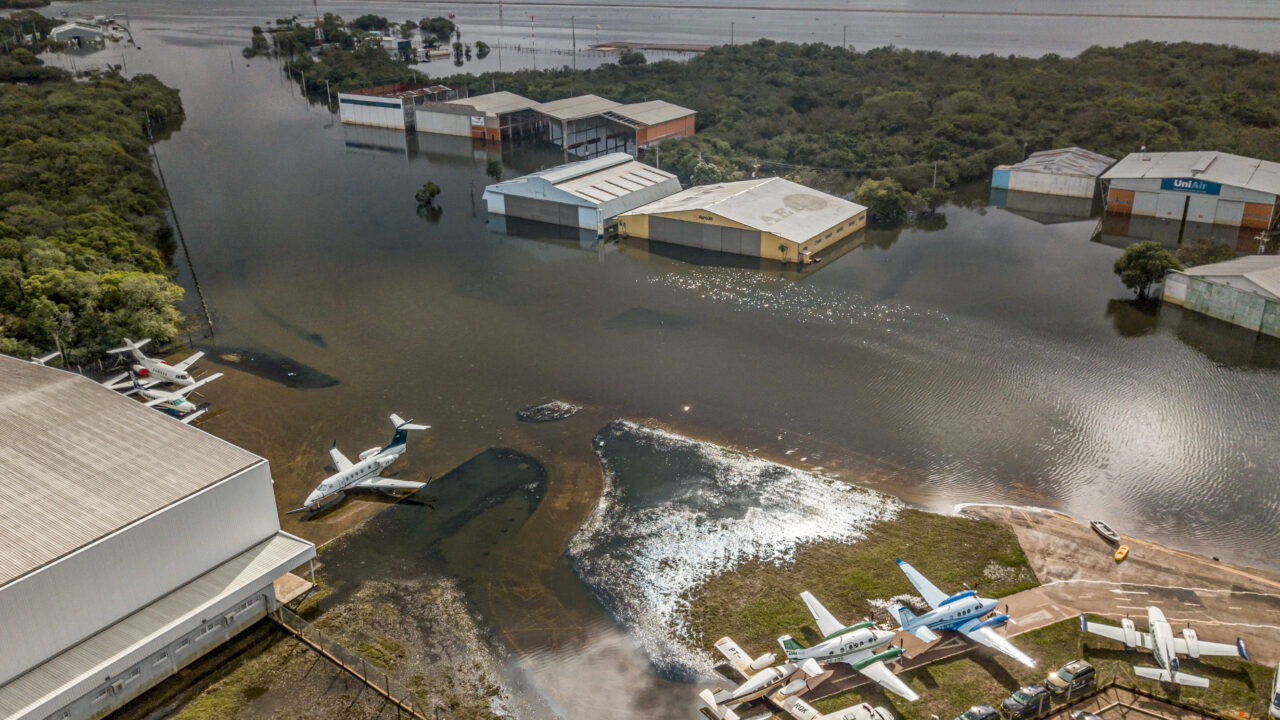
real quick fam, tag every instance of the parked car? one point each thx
(1026, 702)
(1071, 678)
(1083, 715)
(1275, 695)
(979, 712)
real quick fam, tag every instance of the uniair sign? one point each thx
(1200, 187)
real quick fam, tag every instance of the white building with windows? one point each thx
(130, 544)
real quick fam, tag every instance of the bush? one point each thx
(885, 200)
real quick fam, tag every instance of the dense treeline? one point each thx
(84, 240)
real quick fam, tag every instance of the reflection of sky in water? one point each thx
(675, 511)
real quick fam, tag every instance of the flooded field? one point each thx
(990, 358)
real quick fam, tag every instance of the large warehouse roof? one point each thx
(596, 181)
(1261, 270)
(1216, 167)
(1066, 161)
(496, 103)
(574, 108)
(776, 205)
(653, 112)
(79, 461)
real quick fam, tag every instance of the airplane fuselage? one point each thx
(955, 613)
(1162, 645)
(761, 684)
(180, 405)
(849, 647)
(334, 487)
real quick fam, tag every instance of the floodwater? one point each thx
(989, 358)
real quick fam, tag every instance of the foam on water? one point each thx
(676, 511)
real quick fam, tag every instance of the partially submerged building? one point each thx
(130, 544)
(771, 218)
(1204, 187)
(391, 106)
(585, 194)
(492, 117)
(78, 34)
(1244, 291)
(1072, 172)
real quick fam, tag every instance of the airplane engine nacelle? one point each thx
(764, 661)
(995, 621)
(370, 453)
(1130, 633)
(1193, 643)
(795, 686)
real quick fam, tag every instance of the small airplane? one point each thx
(363, 474)
(1164, 646)
(152, 370)
(174, 402)
(761, 679)
(802, 710)
(854, 645)
(44, 359)
(963, 612)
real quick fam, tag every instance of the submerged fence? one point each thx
(375, 677)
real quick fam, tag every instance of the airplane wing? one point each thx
(167, 397)
(800, 710)
(193, 415)
(881, 673)
(988, 636)
(202, 381)
(375, 482)
(735, 655)
(1115, 633)
(927, 590)
(188, 362)
(1212, 648)
(827, 623)
(340, 461)
(1163, 675)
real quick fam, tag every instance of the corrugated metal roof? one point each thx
(1261, 270)
(79, 461)
(1066, 161)
(496, 103)
(776, 205)
(1210, 166)
(575, 108)
(86, 663)
(597, 181)
(652, 112)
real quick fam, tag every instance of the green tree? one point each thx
(439, 27)
(709, 173)
(494, 170)
(885, 200)
(1204, 252)
(931, 198)
(370, 22)
(631, 57)
(427, 194)
(1142, 265)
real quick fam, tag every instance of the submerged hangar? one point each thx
(130, 544)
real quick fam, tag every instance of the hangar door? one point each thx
(542, 210)
(705, 236)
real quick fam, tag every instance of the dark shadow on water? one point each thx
(269, 366)
(314, 338)
(1133, 317)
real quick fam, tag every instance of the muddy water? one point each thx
(989, 359)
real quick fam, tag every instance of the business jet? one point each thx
(151, 371)
(362, 476)
(1164, 647)
(174, 402)
(854, 645)
(761, 678)
(964, 612)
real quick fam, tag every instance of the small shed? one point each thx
(586, 194)
(77, 34)
(1069, 171)
(770, 218)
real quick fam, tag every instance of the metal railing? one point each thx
(375, 677)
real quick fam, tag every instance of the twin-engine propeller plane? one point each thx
(1164, 646)
(150, 371)
(362, 476)
(965, 612)
(854, 645)
(761, 679)
(175, 402)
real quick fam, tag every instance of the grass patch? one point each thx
(949, 687)
(228, 696)
(759, 601)
(384, 652)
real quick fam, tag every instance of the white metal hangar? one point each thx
(584, 194)
(130, 544)
(1204, 187)
(1069, 171)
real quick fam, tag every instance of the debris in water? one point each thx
(547, 412)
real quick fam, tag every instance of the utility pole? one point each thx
(731, 33)
(533, 44)
(935, 173)
(573, 30)
(844, 38)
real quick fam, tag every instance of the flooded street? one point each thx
(992, 359)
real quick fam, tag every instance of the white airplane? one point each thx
(854, 645)
(802, 710)
(175, 401)
(362, 475)
(44, 359)
(1164, 646)
(152, 370)
(963, 612)
(761, 679)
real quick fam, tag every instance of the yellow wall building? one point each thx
(770, 218)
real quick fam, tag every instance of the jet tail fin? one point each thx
(712, 703)
(790, 645)
(906, 618)
(402, 424)
(129, 346)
